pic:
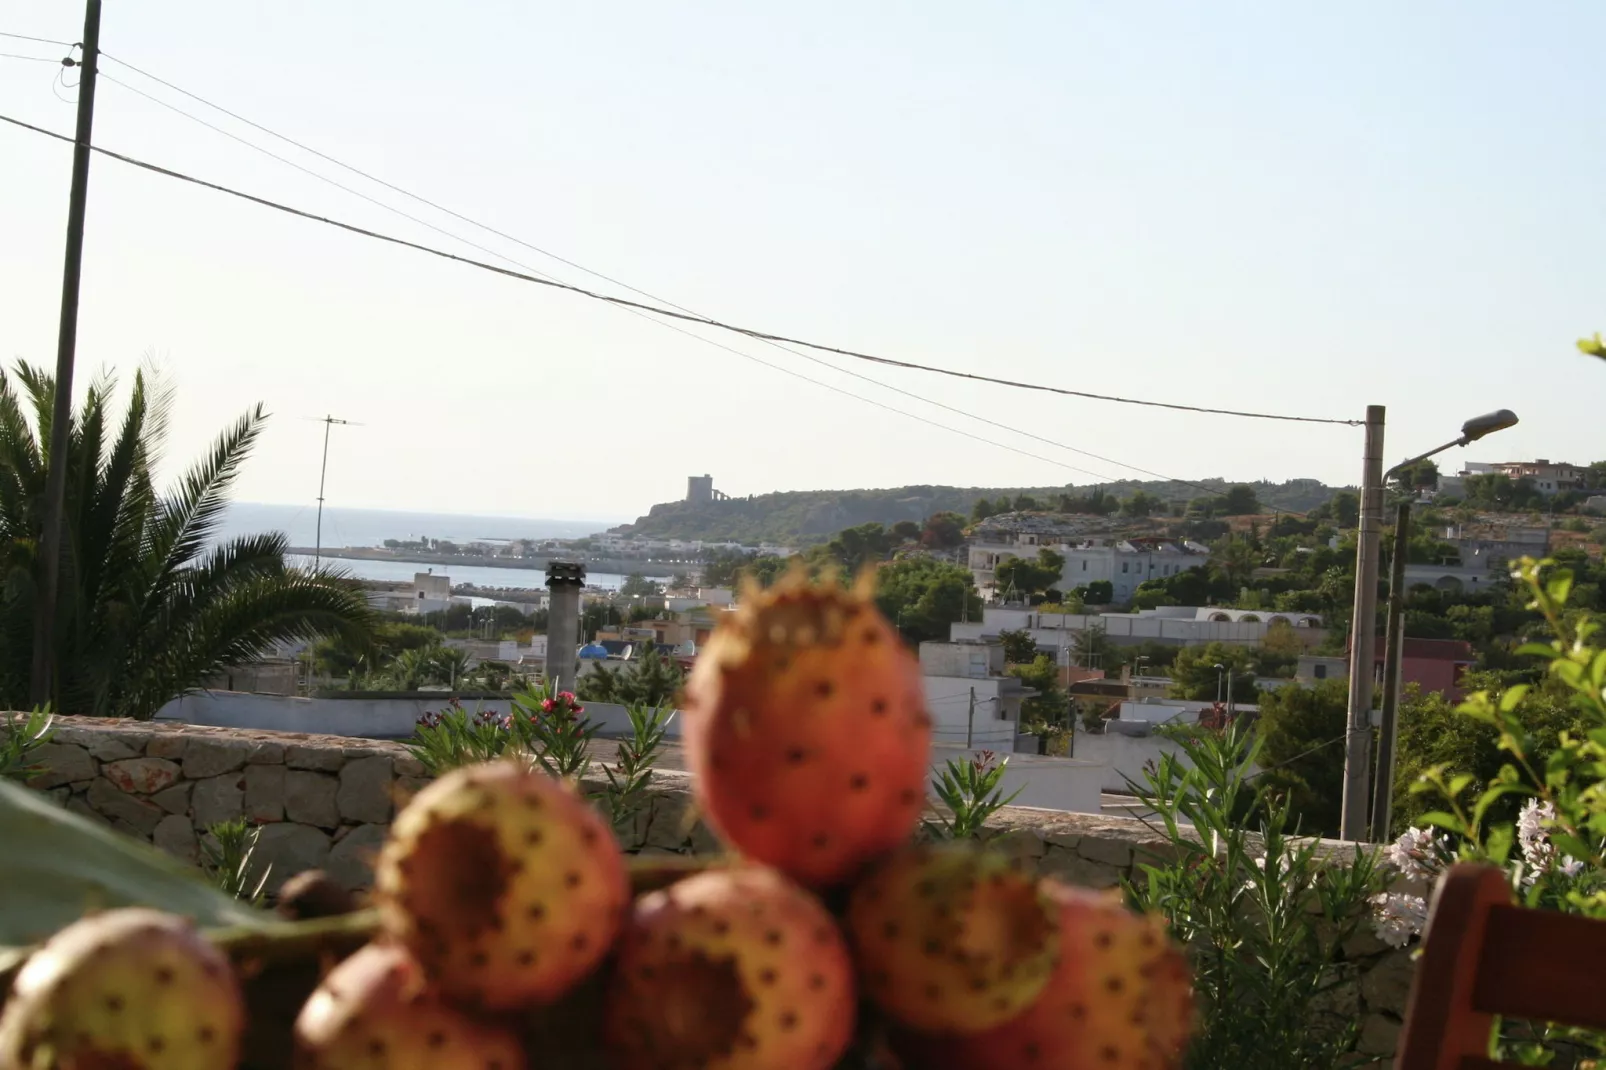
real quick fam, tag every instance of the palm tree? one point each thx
(150, 604)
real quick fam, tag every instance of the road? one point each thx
(673, 757)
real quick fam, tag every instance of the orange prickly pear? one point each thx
(952, 939)
(1120, 999)
(734, 969)
(375, 1011)
(504, 883)
(133, 989)
(807, 731)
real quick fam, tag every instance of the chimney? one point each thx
(564, 579)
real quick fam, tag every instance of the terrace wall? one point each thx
(326, 802)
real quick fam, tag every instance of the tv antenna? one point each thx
(323, 470)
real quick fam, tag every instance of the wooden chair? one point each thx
(1484, 956)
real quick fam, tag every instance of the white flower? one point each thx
(1533, 832)
(1418, 854)
(1396, 918)
(1570, 866)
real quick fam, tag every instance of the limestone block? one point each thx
(309, 798)
(351, 861)
(1076, 870)
(1111, 852)
(264, 793)
(214, 756)
(62, 763)
(169, 745)
(290, 849)
(1386, 986)
(1380, 1035)
(265, 752)
(113, 745)
(323, 759)
(405, 787)
(410, 767)
(364, 794)
(141, 776)
(176, 836)
(116, 805)
(217, 799)
(176, 799)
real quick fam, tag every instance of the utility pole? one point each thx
(42, 683)
(323, 470)
(970, 718)
(1363, 636)
(1394, 639)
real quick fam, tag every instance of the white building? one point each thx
(970, 699)
(432, 593)
(1123, 563)
(1177, 625)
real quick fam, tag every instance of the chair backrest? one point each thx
(1484, 956)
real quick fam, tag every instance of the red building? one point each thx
(1432, 664)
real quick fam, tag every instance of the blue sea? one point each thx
(371, 527)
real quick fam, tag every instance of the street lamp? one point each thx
(1394, 639)
(1220, 668)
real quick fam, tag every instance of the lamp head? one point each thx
(1487, 424)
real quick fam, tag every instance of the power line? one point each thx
(631, 306)
(787, 349)
(685, 314)
(36, 59)
(39, 40)
(581, 267)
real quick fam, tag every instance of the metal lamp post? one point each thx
(1220, 669)
(1394, 641)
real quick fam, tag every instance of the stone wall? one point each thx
(326, 801)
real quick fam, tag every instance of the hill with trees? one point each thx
(805, 517)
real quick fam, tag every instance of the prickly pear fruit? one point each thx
(807, 732)
(1120, 998)
(504, 884)
(734, 969)
(134, 989)
(375, 1010)
(952, 939)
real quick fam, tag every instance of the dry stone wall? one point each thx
(325, 802)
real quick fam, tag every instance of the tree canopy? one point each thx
(922, 596)
(152, 602)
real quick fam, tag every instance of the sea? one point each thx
(371, 527)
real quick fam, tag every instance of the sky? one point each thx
(1299, 209)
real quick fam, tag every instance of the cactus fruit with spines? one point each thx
(130, 989)
(375, 1012)
(952, 939)
(732, 969)
(505, 884)
(806, 730)
(1120, 998)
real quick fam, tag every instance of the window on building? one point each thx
(1321, 672)
(1123, 566)
(1084, 566)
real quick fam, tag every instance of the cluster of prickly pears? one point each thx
(509, 934)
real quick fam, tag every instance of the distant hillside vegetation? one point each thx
(801, 517)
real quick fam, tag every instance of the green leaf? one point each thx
(1512, 697)
(1537, 650)
(58, 865)
(1443, 820)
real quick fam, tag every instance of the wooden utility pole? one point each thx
(50, 548)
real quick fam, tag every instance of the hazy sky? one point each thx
(1230, 204)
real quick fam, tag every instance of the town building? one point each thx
(1172, 625)
(971, 701)
(1549, 478)
(1434, 665)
